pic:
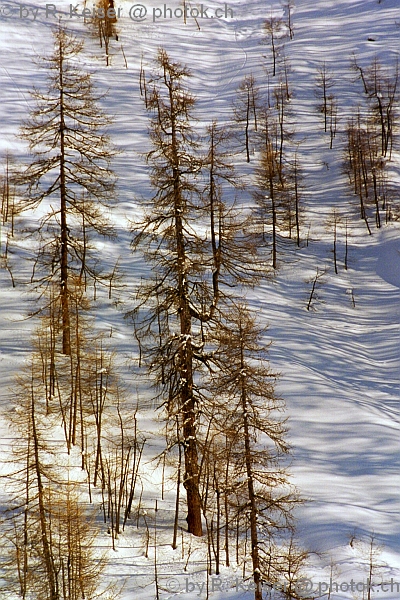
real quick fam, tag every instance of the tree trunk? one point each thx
(187, 402)
(47, 554)
(252, 498)
(273, 206)
(66, 343)
(296, 197)
(246, 130)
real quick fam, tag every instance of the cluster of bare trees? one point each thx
(48, 534)
(71, 381)
(265, 116)
(223, 422)
(366, 168)
(247, 497)
(206, 355)
(80, 396)
(370, 141)
(278, 174)
(104, 23)
(381, 91)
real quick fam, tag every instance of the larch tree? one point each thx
(246, 109)
(269, 178)
(276, 30)
(381, 89)
(247, 418)
(195, 246)
(288, 6)
(367, 169)
(326, 101)
(69, 175)
(50, 535)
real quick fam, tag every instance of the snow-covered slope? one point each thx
(340, 361)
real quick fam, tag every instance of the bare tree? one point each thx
(70, 167)
(50, 536)
(254, 425)
(381, 89)
(270, 184)
(246, 108)
(369, 550)
(315, 281)
(289, 5)
(189, 268)
(276, 30)
(366, 169)
(282, 112)
(332, 118)
(326, 106)
(104, 22)
(333, 223)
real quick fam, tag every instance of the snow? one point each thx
(339, 362)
